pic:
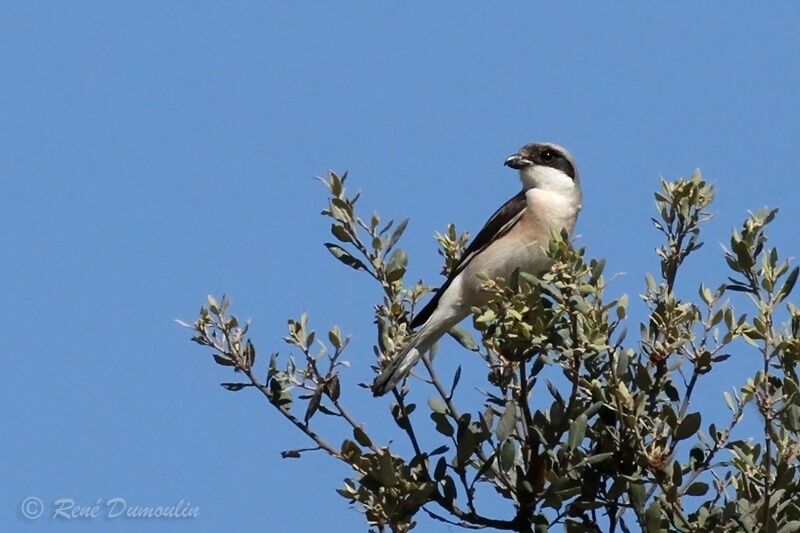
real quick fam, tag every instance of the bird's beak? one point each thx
(517, 162)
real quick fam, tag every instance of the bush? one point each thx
(621, 441)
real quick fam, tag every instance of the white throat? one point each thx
(548, 179)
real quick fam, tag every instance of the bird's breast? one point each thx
(524, 245)
(519, 248)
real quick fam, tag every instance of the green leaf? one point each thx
(792, 418)
(688, 426)
(466, 446)
(395, 274)
(335, 183)
(440, 470)
(233, 387)
(313, 404)
(183, 324)
(344, 256)
(456, 379)
(790, 527)
(597, 270)
(224, 361)
(622, 306)
(790, 387)
(398, 232)
(290, 454)
(697, 456)
(361, 437)
(333, 387)
(396, 266)
(507, 421)
(449, 490)
(439, 451)
(653, 517)
(698, 488)
(443, 425)
(597, 458)
(350, 451)
(464, 338)
(729, 401)
(508, 452)
(249, 353)
(402, 417)
(577, 430)
(786, 290)
(706, 294)
(335, 337)
(386, 473)
(637, 494)
(671, 392)
(437, 405)
(622, 362)
(340, 233)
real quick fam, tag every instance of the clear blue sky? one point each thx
(154, 152)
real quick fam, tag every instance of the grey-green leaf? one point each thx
(788, 285)
(466, 446)
(698, 488)
(790, 527)
(437, 405)
(443, 425)
(344, 256)
(464, 338)
(340, 233)
(688, 426)
(507, 421)
(361, 437)
(398, 232)
(508, 452)
(577, 430)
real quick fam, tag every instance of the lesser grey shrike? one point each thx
(515, 237)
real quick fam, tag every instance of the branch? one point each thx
(302, 426)
(409, 429)
(474, 518)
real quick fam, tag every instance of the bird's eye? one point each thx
(548, 156)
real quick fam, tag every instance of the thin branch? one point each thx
(346, 415)
(474, 518)
(302, 426)
(440, 518)
(440, 388)
(533, 443)
(767, 412)
(409, 429)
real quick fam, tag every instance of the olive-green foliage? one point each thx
(619, 444)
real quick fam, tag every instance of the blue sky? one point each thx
(154, 152)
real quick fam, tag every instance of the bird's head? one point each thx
(546, 166)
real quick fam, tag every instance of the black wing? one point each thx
(498, 224)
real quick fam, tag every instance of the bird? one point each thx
(515, 237)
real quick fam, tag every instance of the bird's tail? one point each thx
(399, 367)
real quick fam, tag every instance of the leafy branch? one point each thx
(577, 428)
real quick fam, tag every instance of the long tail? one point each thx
(399, 367)
(447, 314)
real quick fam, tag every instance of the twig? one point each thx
(474, 518)
(440, 518)
(533, 443)
(409, 429)
(437, 383)
(346, 415)
(302, 426)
